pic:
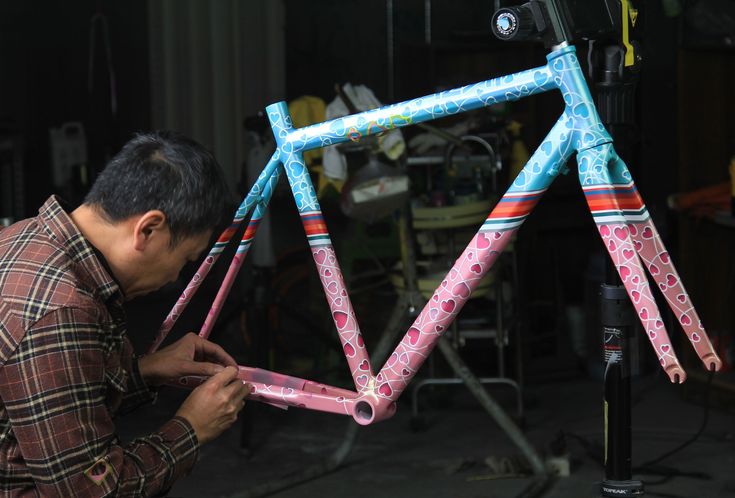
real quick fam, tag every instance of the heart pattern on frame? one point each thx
(444, 305)
(634, 243)
(656, 258)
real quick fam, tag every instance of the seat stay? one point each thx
(261, 190)
(241, 252)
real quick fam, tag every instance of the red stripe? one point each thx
(621, 201)
(512, 209)
(250, 231)
(315, 227)
(227, 234)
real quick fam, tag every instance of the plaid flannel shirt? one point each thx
(66, 368)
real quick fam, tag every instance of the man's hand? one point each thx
(190, 355)
(213, 406)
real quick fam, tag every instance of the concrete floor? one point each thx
(448, 459)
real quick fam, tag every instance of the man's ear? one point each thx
(150, 227)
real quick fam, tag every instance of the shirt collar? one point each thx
(60, 227)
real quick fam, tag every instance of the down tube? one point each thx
(477, 258)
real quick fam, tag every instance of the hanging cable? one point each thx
(692, 439)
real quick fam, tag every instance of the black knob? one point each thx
(514, 23)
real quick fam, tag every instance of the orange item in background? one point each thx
(705, 201)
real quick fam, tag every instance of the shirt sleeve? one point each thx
(138, 392)
(55, 392)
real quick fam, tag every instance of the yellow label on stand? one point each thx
(605, 418)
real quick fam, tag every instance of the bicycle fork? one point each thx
(635, 247)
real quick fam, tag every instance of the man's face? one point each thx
(164, 263)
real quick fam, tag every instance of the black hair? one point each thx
(167, 171)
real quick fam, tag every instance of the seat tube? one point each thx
(321, 246)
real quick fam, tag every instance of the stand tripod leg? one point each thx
(403, 309)
(492, 407)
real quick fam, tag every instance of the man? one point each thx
(66, 365)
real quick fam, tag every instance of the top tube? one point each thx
(354, 127)
(561, 72)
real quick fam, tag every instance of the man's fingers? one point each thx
(203, 368)
(245, 393)
(213, 352)
(238, 391)
(224, 377)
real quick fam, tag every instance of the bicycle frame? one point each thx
(618, 210)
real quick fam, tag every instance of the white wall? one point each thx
(213, 63)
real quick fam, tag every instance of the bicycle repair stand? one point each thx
(615, 95)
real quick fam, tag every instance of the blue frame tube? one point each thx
(502, 89)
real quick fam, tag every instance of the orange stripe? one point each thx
(315, 228)
(227, 234)
(508, 209)
(609, 202)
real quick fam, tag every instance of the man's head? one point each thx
(153, 208)
(163, 171)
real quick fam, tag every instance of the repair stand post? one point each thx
(617, 326)
(615, 93)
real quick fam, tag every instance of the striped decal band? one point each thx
(315, 228)
(615, 203)
(251, 229)
(224, 239)
(248, 236)
(512, 210)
